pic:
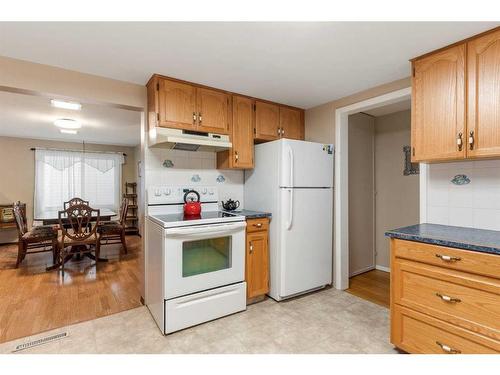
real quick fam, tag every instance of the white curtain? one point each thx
(62, 175)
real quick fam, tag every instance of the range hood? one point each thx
(187, 140)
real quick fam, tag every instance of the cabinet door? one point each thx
(267, 121)
(438, 106)
(242, 151)
(291, 123)
(176, 104)
(257, 264)
(483, 88)
(213, 111)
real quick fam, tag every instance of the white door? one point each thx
(306, 239)
(306, 164)
(203, 257)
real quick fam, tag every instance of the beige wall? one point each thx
(17, 166)
(397, 197)
(320, 120)
(67, 83)
(361, 189)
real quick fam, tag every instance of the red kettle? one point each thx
(192, 207)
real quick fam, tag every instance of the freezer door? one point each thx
(306, 164)
(306, 240)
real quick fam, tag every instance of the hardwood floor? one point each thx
(33, 300)
(373, 286)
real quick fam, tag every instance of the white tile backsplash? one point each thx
(475, 205)
(187, 164)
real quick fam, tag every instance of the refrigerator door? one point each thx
(305, 240)
(306, 164)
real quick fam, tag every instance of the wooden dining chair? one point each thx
(30, 241)
(78, 235)
(74, 201)
(113, 232)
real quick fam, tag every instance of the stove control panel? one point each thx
(160, 194)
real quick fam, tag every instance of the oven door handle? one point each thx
(207, 229)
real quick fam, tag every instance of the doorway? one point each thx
(383, 194)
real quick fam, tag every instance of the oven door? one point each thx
(203, 257)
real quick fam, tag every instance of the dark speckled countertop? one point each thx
(249, 214)
(485, 241)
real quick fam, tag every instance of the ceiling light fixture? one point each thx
(66, 105)
(67, 123)
(68, 131)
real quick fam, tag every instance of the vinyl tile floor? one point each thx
(329, 321)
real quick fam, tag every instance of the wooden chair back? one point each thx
(74, 201)
(76, 222)
(20, 216)
(123, 211)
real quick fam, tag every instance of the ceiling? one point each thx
(389, 108)
(27, 116)
(297, 63)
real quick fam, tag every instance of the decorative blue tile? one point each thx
(196, 178)
(220, 179)
(460, 179)
(168, 163)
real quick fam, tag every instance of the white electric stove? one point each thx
(195, 265)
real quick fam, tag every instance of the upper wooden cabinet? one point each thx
(438, 113)
(456, 101)
(176, 104)
(483, 88)
(291, 123)
(267, 121)
(213, 110)
(240, 156)
(186, 106)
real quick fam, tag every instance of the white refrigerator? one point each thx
(294, 181)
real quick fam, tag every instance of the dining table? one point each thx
(51, 217)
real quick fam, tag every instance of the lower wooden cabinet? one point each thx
(444, 300)
(257, 258)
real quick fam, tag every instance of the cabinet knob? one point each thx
(459, 141)
(448, 298)
(448, 258)
(447, 348)
(471, 139)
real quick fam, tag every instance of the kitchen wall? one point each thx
(192, 169)
(397, 196)
(320, 120)
(17, 166)
(361, 193)
(472, 201)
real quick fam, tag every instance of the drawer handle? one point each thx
(448, 298)
(448, 258)
(259, 225)
(448, 349)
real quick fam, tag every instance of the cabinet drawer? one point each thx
(468, 301)
(461, 260)
(255, 225)
(418, 333)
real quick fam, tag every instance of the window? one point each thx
(62, 175)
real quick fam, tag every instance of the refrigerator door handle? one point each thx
(290, 210)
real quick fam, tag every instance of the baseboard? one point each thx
(382, 268)
(369, 268)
